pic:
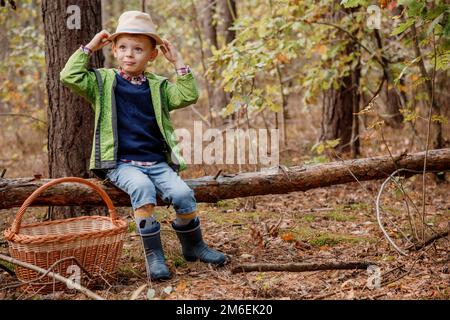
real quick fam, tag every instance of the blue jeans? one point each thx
(142, 183)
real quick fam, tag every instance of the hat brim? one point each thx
(151, 35)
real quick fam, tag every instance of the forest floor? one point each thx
(334, 224)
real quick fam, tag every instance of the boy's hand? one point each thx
(171, 53)
(99, 41)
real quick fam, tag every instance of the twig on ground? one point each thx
(53, 275)
(301, 267)
(418, 246)
(138, 291)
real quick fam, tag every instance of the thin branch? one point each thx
(230, 8)
(301, 267)
(430, 112)
(435, 237)
(377, 203)
(21, 115)
(350, 35)
(53, 275)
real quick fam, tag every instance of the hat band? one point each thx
(133, 30)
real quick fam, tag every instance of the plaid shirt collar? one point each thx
(137, 80)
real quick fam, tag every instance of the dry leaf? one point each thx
(288, 237)
(181, 286)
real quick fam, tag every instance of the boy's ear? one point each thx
(113, 49)
(153, 54)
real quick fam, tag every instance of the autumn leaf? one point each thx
(288, 237)
(281, 58)
(321, 48)
(181, 286)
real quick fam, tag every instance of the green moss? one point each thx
(324, 240)
(308, 218)
(179, 261)
(227, 204)
(332, 239)
(131, 227)
(319, 238)
(341, 216)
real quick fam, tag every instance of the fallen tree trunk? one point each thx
(13, 192)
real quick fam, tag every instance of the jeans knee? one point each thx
(142, 189)
(183, 198)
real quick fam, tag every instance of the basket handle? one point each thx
(18, 219)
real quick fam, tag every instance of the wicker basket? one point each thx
(94, 242)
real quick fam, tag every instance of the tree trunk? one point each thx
(394, 99)
(442, 96)
(107, 13)
(339, 106)
(13, 192)
(227, 10)
(436, 133)
(207, 34)
(70, 118)
(228, 13)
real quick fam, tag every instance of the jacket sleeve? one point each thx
(78, 78)
(183, 92)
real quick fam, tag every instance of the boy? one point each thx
(133, 141)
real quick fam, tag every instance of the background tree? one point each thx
(70, 118)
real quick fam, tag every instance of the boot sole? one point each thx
(194, 259)
(161, 278)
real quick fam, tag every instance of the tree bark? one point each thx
(394, 99)
(227, 10)
(13, 192)
(436, 134)
(228, 13)
(339, 106)
(70, 118)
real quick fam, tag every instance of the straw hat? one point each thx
(136, 22)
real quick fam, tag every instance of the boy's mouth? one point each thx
(129, 63)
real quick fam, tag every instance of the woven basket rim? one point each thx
(121, 227)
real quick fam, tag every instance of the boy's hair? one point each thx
(152, 40)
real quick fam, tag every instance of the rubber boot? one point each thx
(193, 246)
(154, 254)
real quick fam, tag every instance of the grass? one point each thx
(131, 227)
(321, 238)
(308, 218)
(340, 215)
(178, 261)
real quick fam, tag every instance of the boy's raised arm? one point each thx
(185, 90)
(75, 74)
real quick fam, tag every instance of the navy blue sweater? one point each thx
(139, 136)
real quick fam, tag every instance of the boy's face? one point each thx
(133, 52)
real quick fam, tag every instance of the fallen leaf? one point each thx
(288, 237)
(181, 286)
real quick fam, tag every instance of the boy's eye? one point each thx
(122, 47)
(139, 49)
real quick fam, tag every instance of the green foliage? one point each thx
(22, 61)
(403, 26)
(353, 3)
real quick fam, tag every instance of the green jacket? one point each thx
(97, 87)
